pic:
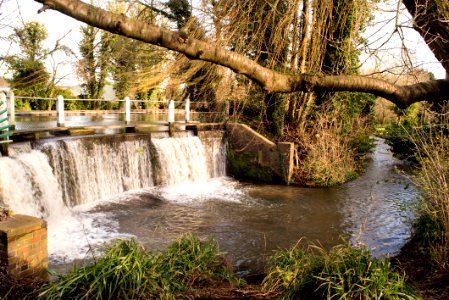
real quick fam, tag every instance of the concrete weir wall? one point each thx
(254, 157)
(23, 246)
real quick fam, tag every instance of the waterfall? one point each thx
(96, 169)
(180, 159)
(57, 178)
(28, 186)
(84, 170)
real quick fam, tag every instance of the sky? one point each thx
(15, 12)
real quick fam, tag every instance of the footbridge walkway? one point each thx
(250, 155)
(130, 116)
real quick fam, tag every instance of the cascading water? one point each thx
(28, 186)
(64, 178)
(95, 169)
(180, 159)
(64, 181)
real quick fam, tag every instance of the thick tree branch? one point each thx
(430, 19)
(270, 80)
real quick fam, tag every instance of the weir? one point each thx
(94, 189)
(76, 171)
(56, 179)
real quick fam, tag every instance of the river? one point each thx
(249, 221)
(92, 190)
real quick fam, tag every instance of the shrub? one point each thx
(127, 271)
(432, 152)
(400, 139)
(344, 272)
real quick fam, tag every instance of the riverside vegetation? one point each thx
(192, 269)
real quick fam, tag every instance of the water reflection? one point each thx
(378, 207)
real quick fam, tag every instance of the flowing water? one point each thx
(93, 190)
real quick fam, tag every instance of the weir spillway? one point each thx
(54, 177)
(155, 188)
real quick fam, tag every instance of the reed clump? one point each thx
(344, 272)
(127, 271)
(432, 153)
(332, 147)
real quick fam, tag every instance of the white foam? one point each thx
(79, 235)
(222, 188)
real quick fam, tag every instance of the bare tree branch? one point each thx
(271, 81)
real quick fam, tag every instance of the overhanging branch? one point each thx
(271, 81)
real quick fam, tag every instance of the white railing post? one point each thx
(187, 110)
(227, 109)
(171, 111)
(127, 110)
(60, 122)
(12, 110)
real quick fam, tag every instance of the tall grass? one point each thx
(344, 272)
(127, 271)
(331, 147)
(432, 153)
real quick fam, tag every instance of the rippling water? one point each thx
(249, 221)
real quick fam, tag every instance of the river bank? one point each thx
(413, 259)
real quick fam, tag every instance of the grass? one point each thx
(344, 272)
(331, 149)
(127, 271)
(432, 153)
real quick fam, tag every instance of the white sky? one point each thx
(391, 54)
(15, 12)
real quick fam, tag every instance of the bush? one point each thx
(432, 153)
(400, 139)
(127, 271)
(344, 272)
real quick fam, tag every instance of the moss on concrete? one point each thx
(243, 165)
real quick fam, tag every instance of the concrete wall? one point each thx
(251, 156)
(23, 246)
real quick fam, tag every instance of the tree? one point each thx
(430, 19)
(29, 75)
(95, 62)
(270, 80)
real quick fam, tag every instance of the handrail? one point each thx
(169, 107)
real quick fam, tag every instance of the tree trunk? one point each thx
(431, 20)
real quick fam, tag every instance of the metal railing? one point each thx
(169, 107)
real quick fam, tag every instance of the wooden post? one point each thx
(187, 110)
(127, 110)
(60, 111)
(11, 111)
(171, 111)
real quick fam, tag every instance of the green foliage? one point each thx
(121, 272)
(29, 75)
(362, 144)
(428, 230)
(399, 138)
(127, 271)
(181, 11)
(344, 272)
(30, 38)
(95, 63)
(432, 177)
